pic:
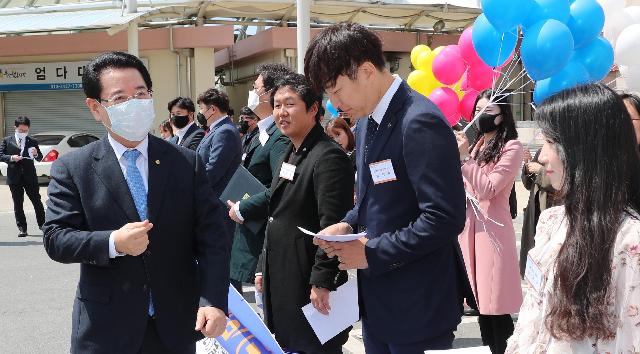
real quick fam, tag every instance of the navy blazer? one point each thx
(413, 288)
(22, 171)
(221, 152)
(186, 264)
(191, 139)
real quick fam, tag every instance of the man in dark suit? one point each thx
(410, 201)
(186, 132)
(248, 121)
(262, 160)
(153, 265)
(18, 151)
(221, 149)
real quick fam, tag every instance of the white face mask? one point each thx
(132, 119)
(253, 101)
(21, 136)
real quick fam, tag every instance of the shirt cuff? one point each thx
(112, 247)
(236, 209)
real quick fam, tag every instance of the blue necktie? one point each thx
(139, 194)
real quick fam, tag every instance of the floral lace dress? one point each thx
(531, 336)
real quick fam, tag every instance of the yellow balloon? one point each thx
(416, 51)
(420, 81)
(425, 59)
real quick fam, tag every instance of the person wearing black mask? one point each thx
(181, 113)
(248, 126)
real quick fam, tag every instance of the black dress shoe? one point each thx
(22, 233)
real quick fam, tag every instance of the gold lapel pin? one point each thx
(157, 162)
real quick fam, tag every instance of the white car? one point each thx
(53, 145)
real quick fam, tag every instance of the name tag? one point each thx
(382, 172)
(534, 274)
(287, 171)
(244, 156)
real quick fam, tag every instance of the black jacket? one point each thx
(191, 138)
(22, 171)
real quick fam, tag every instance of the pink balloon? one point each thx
(467, 51)
(481, 77)
(466, 104)
(447, 100)
(464, 83)
(448, 66)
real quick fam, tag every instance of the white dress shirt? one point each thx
(383, 105)
(216, 122)
(181, 132)
(142, 163)
(263, 125)
(20, 143)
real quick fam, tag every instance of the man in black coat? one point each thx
(18, 151)
(313, 188)
(187, 133)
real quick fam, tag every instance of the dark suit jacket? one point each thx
(262, 162)
(413, 288)
(185, 265)
(22, 171)
(191, 139)
(319, 195)
(221, 152)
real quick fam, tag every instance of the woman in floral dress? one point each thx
(583, 275)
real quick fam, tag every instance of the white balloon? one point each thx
(631, 76)
(627, 50)
(634, 12)
(611, 7)
(614, 25)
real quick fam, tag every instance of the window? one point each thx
(46, 139)
(77, 141)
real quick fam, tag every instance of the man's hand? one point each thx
(320, 300)
(526, 157)
(33, 152)
(258, 283)
(16, 158)
(211, 321)
(463, 144)
(341, 228)
(232, 212)
(350, 254)
(132, 238)
(534, 167)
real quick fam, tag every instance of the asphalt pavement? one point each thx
(36, 295)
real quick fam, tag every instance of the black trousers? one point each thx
(17, 194)
(152, 344)
(495, 330)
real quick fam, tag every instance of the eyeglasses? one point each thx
(140, 95)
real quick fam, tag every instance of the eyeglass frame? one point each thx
(137, 95)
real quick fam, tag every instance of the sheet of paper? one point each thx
(344, 312)
(335, 238)
(470, 350)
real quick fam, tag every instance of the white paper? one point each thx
(470, 350)
(334, 238)
(344, 312)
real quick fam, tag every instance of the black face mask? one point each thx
(486, 123)
(202, 121)
(180, 121)
(244, 127)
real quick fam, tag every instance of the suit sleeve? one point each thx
(527, 178)
(195, 141)
(213, 243)
(39, 156)
(257, 206)
(333, 186)
(432, 162)
(65, 239)
(4, 156)
(223, 151)
(487, 185)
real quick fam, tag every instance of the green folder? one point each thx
(242, 186)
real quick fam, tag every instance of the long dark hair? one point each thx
(592, 133)
(506, 130)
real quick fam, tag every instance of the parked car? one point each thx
(53, 145)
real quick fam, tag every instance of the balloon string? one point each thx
(475, 206)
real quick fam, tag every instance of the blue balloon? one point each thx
(331, 109)
(597, 57)
(547, 10)
(541, 91)
(493, 47)
(546, 48)
(573, 74)
(506, 15)
(586, 21)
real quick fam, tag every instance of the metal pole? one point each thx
(132, 32)
(303, 20)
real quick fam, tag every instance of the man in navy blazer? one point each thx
(154, 268)
(187, 133)
(410, 200)
(221, 148)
